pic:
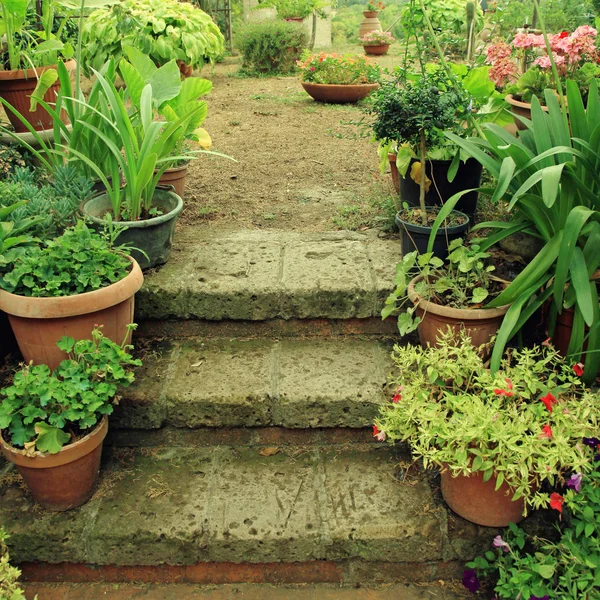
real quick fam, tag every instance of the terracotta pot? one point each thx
(185, 70)
(17, 86)
(377, 50)
(520, 109)
(338, 94)
(394, 171)
(176, 178)
(480, 324)
(478, 501)
(369, 23)
(38, 323)
(64, 480)
(294, 19)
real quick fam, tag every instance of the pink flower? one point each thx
(528, 40)
(575, 482)
(503, 71)
(585, 30)
(545, 63)
(380, 435)
(500, 543)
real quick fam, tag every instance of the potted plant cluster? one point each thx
(377, 42)
(67, 284)
(522, 68)
(338, 78)
(371, 21)
(444, 295)
(498, 437)
(53, 423)
(165, 30)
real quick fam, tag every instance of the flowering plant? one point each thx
(374, 6)
(377, 38)
(523, 424)
(531, 568)
(524, 69)
(340, 69)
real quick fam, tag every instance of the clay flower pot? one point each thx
(17, 86)
(478, 501)
(378, 50)
(480, 324)
(520, 109)
(175, 177)
(38, 323)
(338, 94)
(370, 23)
(64, 480)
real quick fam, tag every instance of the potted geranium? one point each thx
(53, 423)
(338, 78)
(372, 9)
(446, 295)
(522, 68)
(67, 285)
(377, 42)
(497, 437)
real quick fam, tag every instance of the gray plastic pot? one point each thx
(153, 236)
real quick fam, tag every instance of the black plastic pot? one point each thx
(468, 176)
(153, 236)
(416, 237)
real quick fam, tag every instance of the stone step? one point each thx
(79, 591)
(297, 513)
(258, 275)
(336, 381)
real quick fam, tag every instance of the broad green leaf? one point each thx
(50, 439)
(551, 183)
(582, 284)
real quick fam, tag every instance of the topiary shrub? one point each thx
(271, 46)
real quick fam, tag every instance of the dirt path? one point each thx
(301, 165)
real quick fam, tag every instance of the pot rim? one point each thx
(414, 228)
(77, 304)
(67, 454)
(362, 86)
(172, 214)
(460, 314)
(520, 104)
(16, 74)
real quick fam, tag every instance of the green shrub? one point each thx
(271, 46)
(9, 585)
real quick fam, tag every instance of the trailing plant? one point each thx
(271, 46)
(522, 424)
(530, 567)
(338, 69)
(78, 261)
(464, 281)
(165, 30)
(9, 575)
(44, 410)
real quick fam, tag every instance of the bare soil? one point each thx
(301, 165)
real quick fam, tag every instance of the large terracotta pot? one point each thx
(378, 50)
(520, 109)
(176, 178)
(480, 324)
(38, 323)
(369, 23)
(16, 88)
(338, 94)
(478, 501)
(64, 480)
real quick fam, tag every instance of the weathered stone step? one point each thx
(79, 591)
(289, 382)
(257, 275)
(330, 514)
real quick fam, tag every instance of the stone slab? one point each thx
(257, 275)
(177, 506)
(295, 383)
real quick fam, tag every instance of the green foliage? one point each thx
(52, 202)
(300, 9)
(10, 160)
(44, 410)
(566, 569)
(9, 575)
(456, 414)
(340, 69)
(165, 30)
(271, 46)
(78, 261)
(14, 232)
(548, 179)
(463, 282)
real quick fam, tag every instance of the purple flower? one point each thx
(591, 442)
(500, 543)
(575, 481)
(470, 580)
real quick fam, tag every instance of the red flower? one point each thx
(547, 342)
(556, 501)
(563, 35)
(546, 431)
(500, 392)
(578, 369)
(508, 383)
(396, 398)
(548, 401)
(380, 435)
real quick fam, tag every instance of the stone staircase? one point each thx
(243, 453)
